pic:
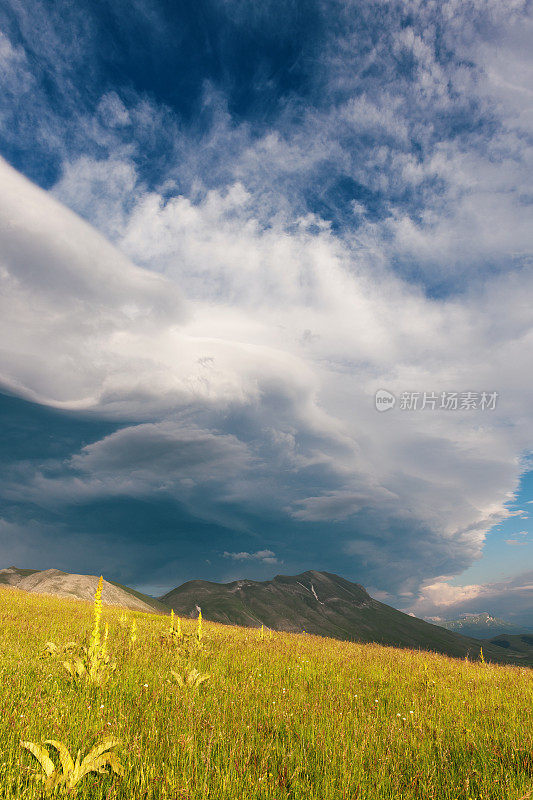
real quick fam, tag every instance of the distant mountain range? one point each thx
(481, 626)
(319, 603)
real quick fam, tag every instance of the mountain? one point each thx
(480, 626)
(523, 643)
(79, 587)
(13, 575)
(326, 605)
(318, 603)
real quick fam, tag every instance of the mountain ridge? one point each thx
(78, 587)
(481, 626)
(314, 602)
(323, 604)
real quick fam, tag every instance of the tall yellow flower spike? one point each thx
(103, 649)
(95, 636)
(199, 629)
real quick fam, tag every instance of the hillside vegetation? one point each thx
(325, 604)
(257, 716)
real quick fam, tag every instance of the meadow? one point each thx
(239, 713)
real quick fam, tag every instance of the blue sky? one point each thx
(224, 226)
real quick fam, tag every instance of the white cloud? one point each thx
(67, 293)
(518, 542)
(264, 556)
(510, 599)
(443, 594)
(113, 181)
(16, 76)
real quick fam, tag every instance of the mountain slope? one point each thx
(79, 587)
(480, 626)
(13, 575)
(522, 643)
(324, 604)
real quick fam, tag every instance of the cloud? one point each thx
(17, 78)
(204, 471)
(417, 137)
(264, 556)
(511, 599)
(334, 506)
(253, 413)
(243, 284)
(67, 291)
(515, 541)
(442, 594)
(33, 544)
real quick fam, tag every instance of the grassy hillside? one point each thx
(324, 604)
(292, 716)
(157, 606)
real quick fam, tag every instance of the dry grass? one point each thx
(294, 716)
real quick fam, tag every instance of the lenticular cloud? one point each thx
(242, 368)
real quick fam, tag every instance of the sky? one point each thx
(266, 294)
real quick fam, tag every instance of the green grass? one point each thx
(293, 717)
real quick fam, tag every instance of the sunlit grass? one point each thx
(294, 716)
